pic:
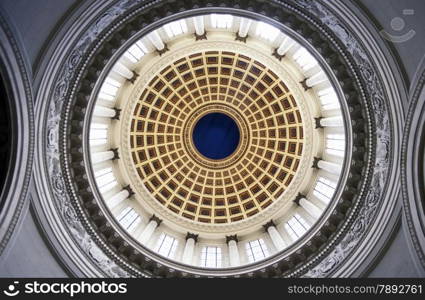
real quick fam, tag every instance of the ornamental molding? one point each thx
(412, 169)
(17, 76)
(374, 196)
(50, 180)
(198, 114)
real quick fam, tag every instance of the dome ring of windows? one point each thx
(336, 217)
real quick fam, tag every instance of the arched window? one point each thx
(129, 219)
(166, 245)
(324, 189)
(211, 257)
(256, 250)
(296, 226)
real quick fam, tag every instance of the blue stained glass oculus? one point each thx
(216, 135)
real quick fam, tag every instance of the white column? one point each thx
(284, 234)
(332, 122)
(329, 167)
(316, 79)
(309, 219)
(198, 22)
(98, 157)
(127, 62)
(233, 253)
(285, 46)
(310, 208)
(188, 251)
(123, 70)
(102, 111)
(148, 231)
(244, 27)
(117, 198)
(156, 40)
(276, 238)
(107, 97)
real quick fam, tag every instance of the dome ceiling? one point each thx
(163, 89)
(136, 188)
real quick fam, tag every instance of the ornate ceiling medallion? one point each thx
(215, 108)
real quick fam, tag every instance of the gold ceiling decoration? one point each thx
(236, 187)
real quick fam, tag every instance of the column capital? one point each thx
(117, 113)
(269, 224)
(298, 198)
(156, 219)
(163, 50)
(316, 162)
(240, 38)
(304, 84)
(190, 235)
(317, 122)
(129, 190)
(135, 76)
(231, 238)
(277, 55)
(116, 154)
(199, 37)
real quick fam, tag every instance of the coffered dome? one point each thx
(216, 190)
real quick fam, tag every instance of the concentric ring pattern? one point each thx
(229, 189)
